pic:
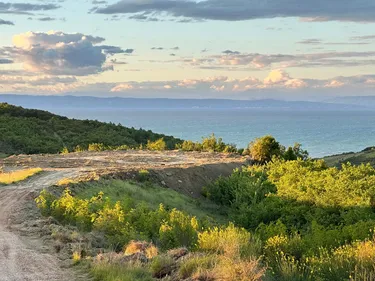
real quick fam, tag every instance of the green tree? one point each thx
(296, 152)
(264, 148)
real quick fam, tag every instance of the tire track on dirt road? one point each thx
(18, 261)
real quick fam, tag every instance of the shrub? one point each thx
(44, 202)
(179, 230)
(237, 269)
(197, 265)
(162, 266)
(97, 147)
(64, 150)
(79, 148)
(229, 241)
(264, 148)
(143, 175)
(158, 145)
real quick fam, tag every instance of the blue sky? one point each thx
(180, 48)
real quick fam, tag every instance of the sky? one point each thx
(235, 49)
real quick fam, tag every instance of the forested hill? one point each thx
(33, 131)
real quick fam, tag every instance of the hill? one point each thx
(356, 158)
(31, 131)
(64, 103)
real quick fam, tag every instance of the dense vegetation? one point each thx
(209, 144)
(34, 131)
(316, 223)
(291, 220)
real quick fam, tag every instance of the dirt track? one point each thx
(19, 260)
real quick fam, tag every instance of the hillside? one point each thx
(356, 158)
(63, 103)
(31, 131)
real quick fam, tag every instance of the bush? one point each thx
(97, 147)
(197, 265)
(179, 230)
(264, 148)
(162, 266)
(229, 241)
(143, 175)
(158, 145)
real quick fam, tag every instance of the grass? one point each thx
(130, 194)
(120, 272)
(17, 176)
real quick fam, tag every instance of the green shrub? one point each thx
(44, 202)
(143, 175)
(97, 147)
(158, 145)
(179, 230)
(196, 265)
(229, 241)
(264, 149)
(162, 266)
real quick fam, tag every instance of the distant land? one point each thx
(66, 102)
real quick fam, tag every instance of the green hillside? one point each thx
(356, 158)
(33, 131)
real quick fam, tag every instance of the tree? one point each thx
(264, 148)
(296, 152)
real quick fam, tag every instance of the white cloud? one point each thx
(59, 53)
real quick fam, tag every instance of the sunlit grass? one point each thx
(112, 272)
(13, 177)
(131, 194)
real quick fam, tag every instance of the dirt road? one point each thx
(19, 259)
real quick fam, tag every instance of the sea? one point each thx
(322, 133)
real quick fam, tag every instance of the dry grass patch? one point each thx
(17, 176)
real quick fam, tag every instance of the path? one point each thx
(18, 260)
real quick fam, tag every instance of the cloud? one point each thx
(310, 41)
(157, 48)
(46, 19)
(229, 52)
(277, 80)
(236, 61)
(364, 38)
(37, 84)
(320, 42)
(58, 53)
(6, 22)
(96, 2)
(5, 61)
(237, 10)
(25, 8)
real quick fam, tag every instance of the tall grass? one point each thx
(120, 272)
(132, 194)
(13, 177)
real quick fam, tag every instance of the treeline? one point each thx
(35, 131)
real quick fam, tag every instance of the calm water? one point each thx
(321, 133)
